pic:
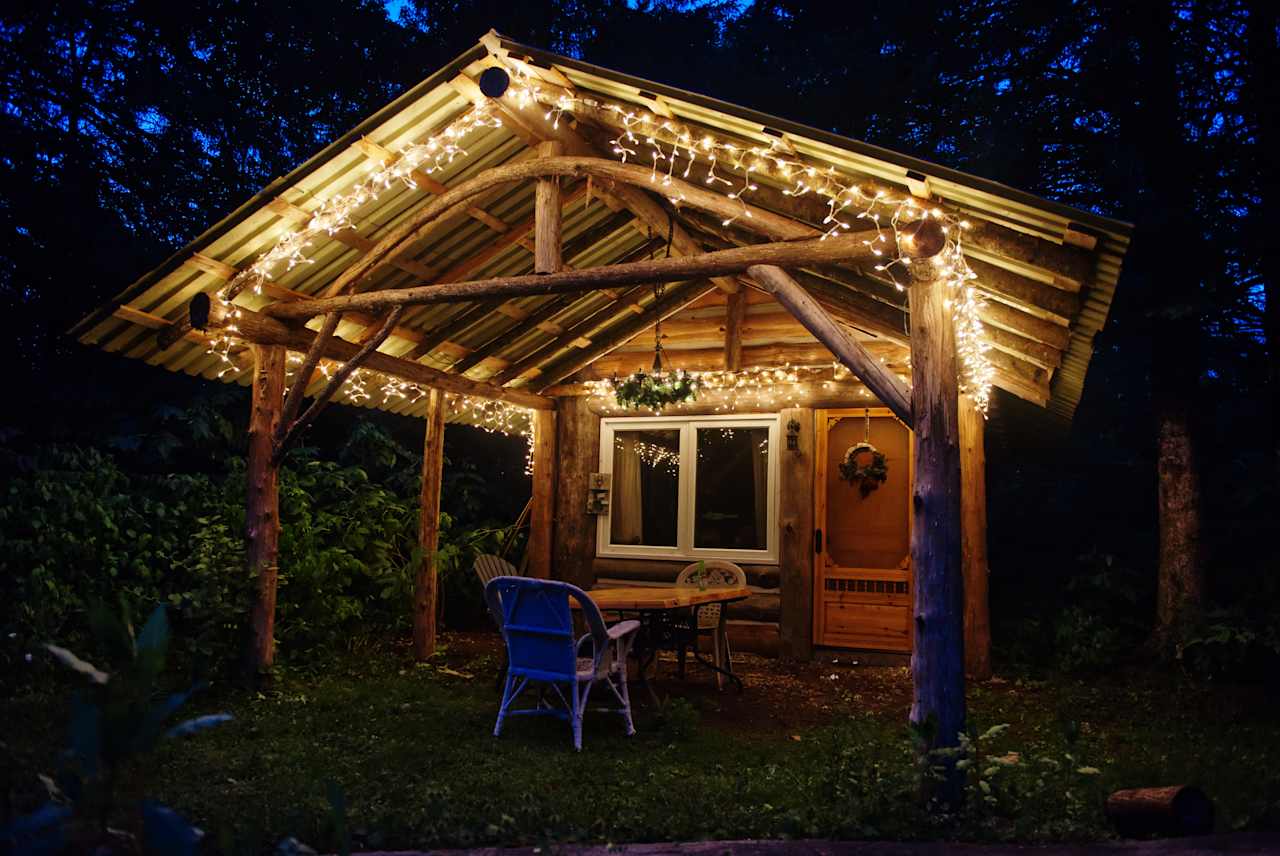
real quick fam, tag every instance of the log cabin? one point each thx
(510, 241)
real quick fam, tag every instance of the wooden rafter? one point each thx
(884, 383)
(672, 302)
(261, 329)
(719, 262)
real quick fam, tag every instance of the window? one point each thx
(687, 488)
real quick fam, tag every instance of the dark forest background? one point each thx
(128, 126)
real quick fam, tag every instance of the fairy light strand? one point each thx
(671, 146)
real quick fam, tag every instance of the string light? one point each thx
(336, 214)
(847, 201)
(784, 386)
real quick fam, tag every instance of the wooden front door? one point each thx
(862, 568)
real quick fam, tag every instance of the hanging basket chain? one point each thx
(658, 388)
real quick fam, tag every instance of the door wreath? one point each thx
(869, 472)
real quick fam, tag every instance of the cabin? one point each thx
(723, 335)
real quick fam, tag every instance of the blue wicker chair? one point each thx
(537, 625)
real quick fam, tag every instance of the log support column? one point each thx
(973, 539)
(796, 556)
(262, 506)
(546, 213)
(577, 453)
(734, 316)
(542, 508)
(424, 589)
(937, 660)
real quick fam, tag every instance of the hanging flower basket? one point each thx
(655, 390)
(864, 466)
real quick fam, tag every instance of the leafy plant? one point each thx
(116, 720)
(654, 391)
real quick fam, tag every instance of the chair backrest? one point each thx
(716, 573)
(488, 566)
(537, 625)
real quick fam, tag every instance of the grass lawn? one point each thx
(808, 750)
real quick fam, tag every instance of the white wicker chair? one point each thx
(710, 617)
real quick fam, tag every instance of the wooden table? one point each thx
(659, 598)
(654, 606)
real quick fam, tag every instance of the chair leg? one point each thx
(681, 651)
(506, 701)
(626, 701)
(717, 645)
(579, 707)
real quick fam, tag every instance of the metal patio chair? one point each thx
(710, 617)
(537, 625)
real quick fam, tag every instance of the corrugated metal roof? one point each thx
(594, 234)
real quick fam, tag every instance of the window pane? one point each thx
(731, 511)
(646, 488)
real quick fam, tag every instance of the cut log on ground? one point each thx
(1171, 811)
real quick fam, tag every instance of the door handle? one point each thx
(817, 540)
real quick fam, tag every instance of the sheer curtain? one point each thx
(760, 480)
(627, 512)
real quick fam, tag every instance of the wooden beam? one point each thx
(818, 393)
(672, 302)
(637, 201)
(425, 582)
(734, 313)
(576, 336)
(255, 327)
(710, 359)
(262, 502)
(546, 236)
(973, 541)
(731, 261)
(1071, 260)
(867, 368)
(542, 507)
(292, 430)
(937, 661)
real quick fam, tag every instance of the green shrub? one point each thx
(76, 527)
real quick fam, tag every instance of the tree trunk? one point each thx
(973, 539)
(1157, 126)
(937, 660)
(1179, 589)
(262, 505)
(424, 589)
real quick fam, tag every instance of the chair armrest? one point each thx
(623, 628)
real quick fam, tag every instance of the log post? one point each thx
(734, 314)
(546, 212)
(262, 501)
(796, 556)
(578, 454)
(973, 541)
(937, 660)
(424, 589)
(542, 509)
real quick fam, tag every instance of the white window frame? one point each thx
(688, 488)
